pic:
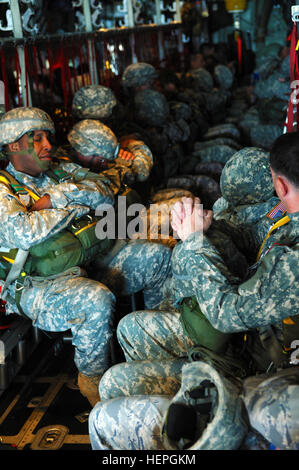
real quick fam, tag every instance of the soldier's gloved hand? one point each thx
(43, 203)
(125, 154)
(188, 216)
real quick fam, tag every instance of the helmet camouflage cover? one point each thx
(202, 79)
(93, 102)
(214, 409)
(18, 121)
(223, 76)
(151, 107)
(246, 177)
(90, 137)
(138, 74)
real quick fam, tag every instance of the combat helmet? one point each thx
(93, 102)
(202, 79)
(19, 121)
(90, 137)
(223, 76)
(138, 74)
(246, 177)
(207, 412)
(151, 107)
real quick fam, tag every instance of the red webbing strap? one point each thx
(27, 68)
(82, 69)
(75, 73)
(35, 72)
(5, 81)
(294, 76)
(18, 71)
(239, 45)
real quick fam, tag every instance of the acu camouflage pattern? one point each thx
(264, 135)
(151, 108)
(93, 102)
(147, 412)
(202, 79)
(135, 264)
(215, 153)
(246, 178)
(90, 137)
(139, 74)
(268, 295)
(18, 121)
(272, 406)
(223, 76)
(108, 419)
(226, 428)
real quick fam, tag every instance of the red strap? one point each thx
(294, 76)
(27, 68)
(239, 44)
(81, 63)
(18, 70)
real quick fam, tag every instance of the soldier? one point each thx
(42, 208)
(266, 296)
(95, 144)
(137, 77)
(94, 102)
(247, 188)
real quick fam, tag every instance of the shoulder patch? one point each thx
(277, 211)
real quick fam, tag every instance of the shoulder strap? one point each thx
(9, 180)
(17, 188)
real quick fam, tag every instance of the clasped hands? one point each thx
(188, 216)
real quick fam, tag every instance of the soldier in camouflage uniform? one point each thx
(266, 295)
(191, 420)
(246, 187)
(94, 102)
(67, 299)
(137, 77)
(93, 141)
(264, 121)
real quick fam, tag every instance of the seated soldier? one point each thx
(48, 219)
(156, 343)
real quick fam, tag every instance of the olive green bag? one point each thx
(75, 246)
(199, 329)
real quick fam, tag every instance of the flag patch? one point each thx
(277, 211)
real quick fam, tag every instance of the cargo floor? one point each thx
(42, 409)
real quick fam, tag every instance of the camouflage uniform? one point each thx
(272, 406)
(90, 137)
(272, 93)
(136, 75)
(65, 293)
(232, 302)
(248, 171)
(93, 102)
(164, 423)
(165, 134)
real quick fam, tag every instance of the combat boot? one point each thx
(89, 387)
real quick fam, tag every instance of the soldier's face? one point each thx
(25, 162)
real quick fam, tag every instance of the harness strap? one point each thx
(279, 223)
